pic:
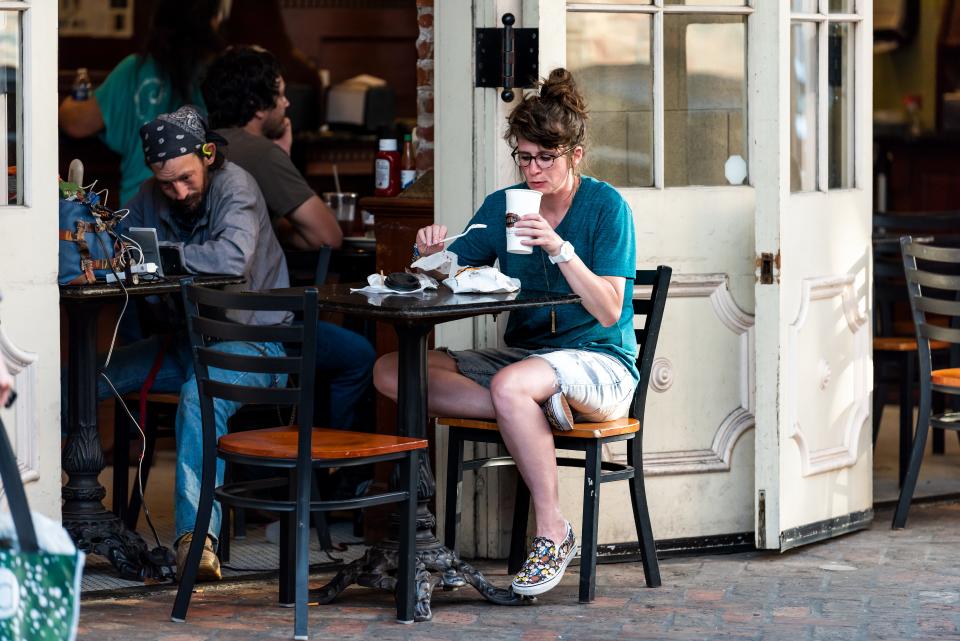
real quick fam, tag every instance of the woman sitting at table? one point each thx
(571, 361)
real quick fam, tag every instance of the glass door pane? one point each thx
(842, 6)
(609, 55)
(841, 53)
(11, 109)
(705, 103)
(803, 106)
(710, 3)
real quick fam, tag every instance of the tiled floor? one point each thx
(874, 584)
(940, 476)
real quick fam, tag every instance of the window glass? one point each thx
(711, 3)
(11, 109)
(804, 6)
(841, 6)
(840, 64)
(609, 55)
(705, 104)
(803, 106)
(609, 1)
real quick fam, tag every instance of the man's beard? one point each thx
(188, 210)
(274, 130)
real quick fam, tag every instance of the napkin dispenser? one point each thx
(364, 102)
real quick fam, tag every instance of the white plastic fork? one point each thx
(466, 231)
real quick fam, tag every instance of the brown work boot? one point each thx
(209, 568)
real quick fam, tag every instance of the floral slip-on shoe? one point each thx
(545, 565)
(558, 412)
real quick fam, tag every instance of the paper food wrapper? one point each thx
(375, 285)
(440, 265)
(481, 280)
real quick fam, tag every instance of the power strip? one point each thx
(141, 268)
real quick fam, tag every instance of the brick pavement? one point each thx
(876, 584)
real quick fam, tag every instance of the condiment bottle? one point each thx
(408, 163)
(82, 85)
(387, 169)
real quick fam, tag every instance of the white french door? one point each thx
(690, 119)
(29, 313)
(814, 369)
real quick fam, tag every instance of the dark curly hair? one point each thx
(554, 118)
(181, 40)
(240, 82)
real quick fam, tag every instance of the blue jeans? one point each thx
(343, 356)
(346, 359)
(130, 367)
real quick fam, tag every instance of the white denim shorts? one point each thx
(598, 387)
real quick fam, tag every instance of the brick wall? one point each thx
(425, 86)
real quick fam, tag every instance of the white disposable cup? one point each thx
(520, 202)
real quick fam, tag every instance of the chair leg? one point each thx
(641, 515)
(879, 396)
(320, 518)
(204, 509)
(223, 547)
(518, 535)
(591, 517)
(452, 505)
(406, 590)
(287, 551)
(906, 413)
(121, 461)
(938, 443)
(916, 457)
(304, 483)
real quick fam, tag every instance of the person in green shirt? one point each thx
(163, 76)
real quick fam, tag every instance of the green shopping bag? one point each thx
(39, 576)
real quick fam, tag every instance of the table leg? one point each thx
(93, 528)
(436, 564)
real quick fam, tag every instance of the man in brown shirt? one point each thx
(244, 92)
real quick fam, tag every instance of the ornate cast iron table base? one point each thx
(436, 565)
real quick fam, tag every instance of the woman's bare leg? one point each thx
(518, 390)
(514, 399)
(449, 392)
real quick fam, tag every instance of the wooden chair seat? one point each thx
(946, 377)
(903, 344)
(580, 430)
(281, 443)
(167, 398)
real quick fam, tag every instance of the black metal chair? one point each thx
(300, 449)
(934, 290)
(585, 437)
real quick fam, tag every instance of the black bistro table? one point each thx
(93, 528)
(414, 316)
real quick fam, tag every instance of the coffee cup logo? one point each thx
(512, 219)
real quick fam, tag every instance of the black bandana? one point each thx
(175, 134)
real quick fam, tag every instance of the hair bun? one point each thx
(560, 87)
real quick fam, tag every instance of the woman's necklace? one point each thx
(546, 279)
(543, 263)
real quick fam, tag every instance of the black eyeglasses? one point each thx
(544, 159)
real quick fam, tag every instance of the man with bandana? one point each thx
(214, 209)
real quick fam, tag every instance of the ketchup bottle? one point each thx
(387, 169)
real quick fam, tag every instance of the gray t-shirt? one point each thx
(232, 236)
(284, 189)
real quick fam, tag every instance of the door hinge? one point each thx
(507, 57)
(762, 520)
(767, 263)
